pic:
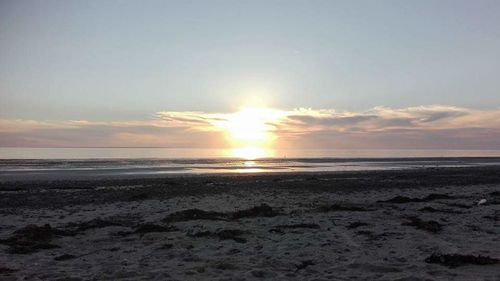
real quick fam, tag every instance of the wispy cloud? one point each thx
(192, 119)
(378, 118)
(82, 133)
(434, 126)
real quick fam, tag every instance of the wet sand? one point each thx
(422, 224)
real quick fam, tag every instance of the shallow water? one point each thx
(133, 165)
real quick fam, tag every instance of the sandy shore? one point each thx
(422, 224)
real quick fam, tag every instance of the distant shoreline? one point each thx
(203, 153)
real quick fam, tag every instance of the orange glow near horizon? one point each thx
(250, 132)
(251, 153)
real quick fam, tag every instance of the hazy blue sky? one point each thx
(371, 74)
(122, 60)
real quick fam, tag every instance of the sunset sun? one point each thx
(250, 132)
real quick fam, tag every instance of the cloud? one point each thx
(433, 126)
(425, 127)
(82, 133)
(192, 119)
(383, 118)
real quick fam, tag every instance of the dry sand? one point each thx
(332, 226)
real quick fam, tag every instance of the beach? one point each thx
(432, 223)
(249, 140)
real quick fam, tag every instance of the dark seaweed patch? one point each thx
(455, 260)
(262, 210)
(304, 264)
(430, 226)
(95, 223)
(434, 210)
(405, 199)
(147, 228)
(225, 234)
(280, 228)
(194, 214)
(64, 257)
(343, 208)
(31, 238)
(7, 271)
(356, 224)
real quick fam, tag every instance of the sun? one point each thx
(250, 131)
(250, 125)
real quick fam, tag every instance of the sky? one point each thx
(338, 74)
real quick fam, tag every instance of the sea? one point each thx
(69, 163)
